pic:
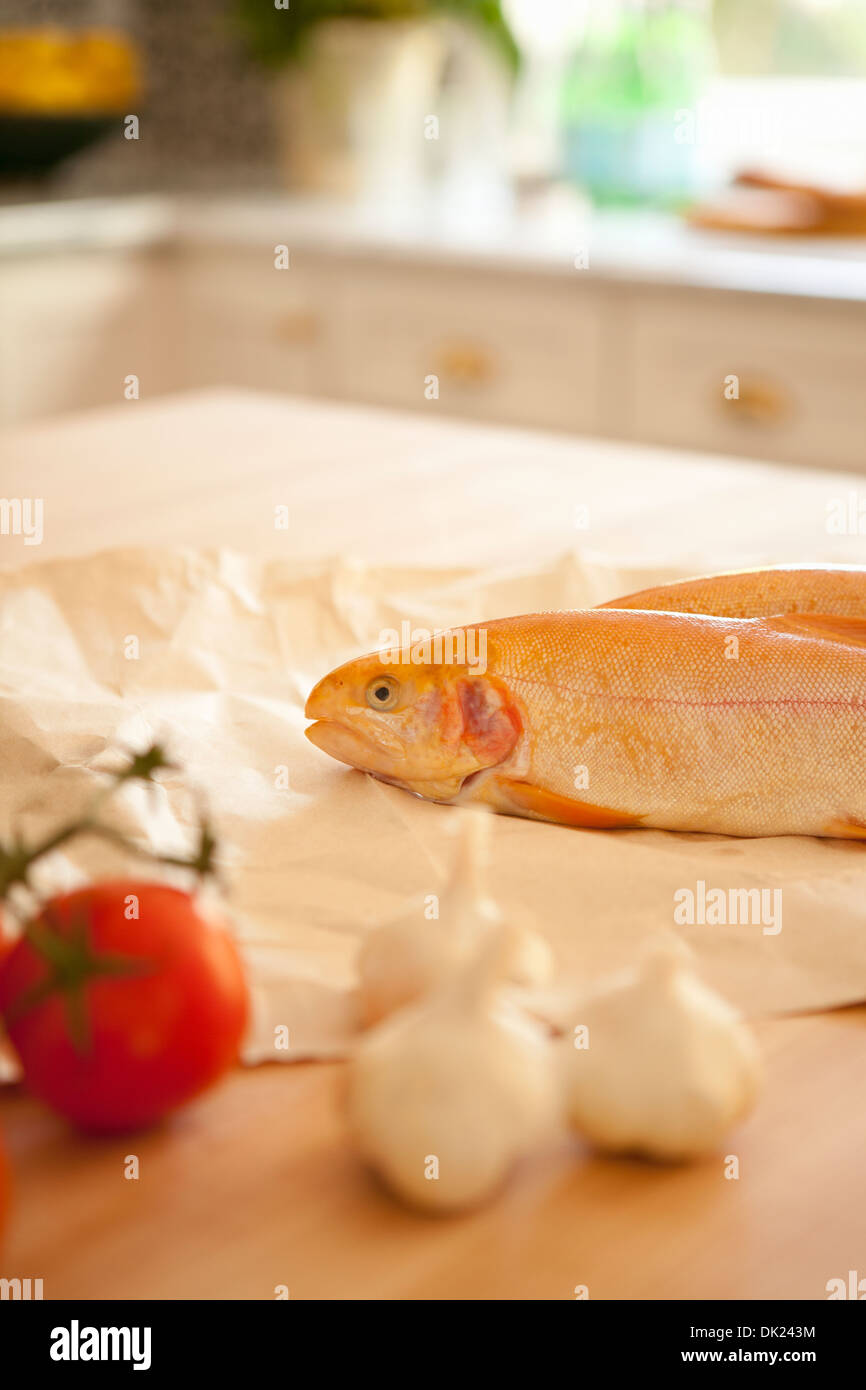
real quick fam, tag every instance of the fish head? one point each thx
(425, 727)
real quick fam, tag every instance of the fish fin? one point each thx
(680, 596)
(521, 798)
(845, 828)
(491, 724)
(826, 627)
(734, 595)
(755, 593)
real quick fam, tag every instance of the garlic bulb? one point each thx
(446, 1095)
(657, 1063)
(404, 959)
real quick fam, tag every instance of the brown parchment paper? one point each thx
(316, 854)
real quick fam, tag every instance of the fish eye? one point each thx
(383, 692)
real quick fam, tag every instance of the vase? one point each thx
(352, 113)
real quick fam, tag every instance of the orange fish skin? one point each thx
(733, 726)
(760, 593)
(683, 722)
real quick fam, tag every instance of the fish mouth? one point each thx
(346, 745)
(350, 747)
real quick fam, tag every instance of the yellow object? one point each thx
(54, 72)
(466, 364)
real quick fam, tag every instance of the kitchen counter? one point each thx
(206, 469)
(256, 1186)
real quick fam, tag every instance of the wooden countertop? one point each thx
(256, 1186)
(208, 468)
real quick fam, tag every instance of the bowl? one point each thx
(35, 144)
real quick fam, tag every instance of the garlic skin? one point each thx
(407, 957)
(669, 1068)
(444, 1097)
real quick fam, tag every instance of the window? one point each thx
(785, 88)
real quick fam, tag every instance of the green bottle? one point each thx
(640, 65)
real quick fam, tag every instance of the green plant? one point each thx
(278, 36)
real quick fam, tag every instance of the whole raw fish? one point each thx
(734, 704)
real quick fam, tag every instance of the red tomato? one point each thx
(117, 1017)
(7, 940)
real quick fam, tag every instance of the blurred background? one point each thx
(628, 218)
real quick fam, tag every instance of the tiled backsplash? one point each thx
(205, 116)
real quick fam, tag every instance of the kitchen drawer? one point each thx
(73, 327)
(249, 324)
(503, 348)
(800, 368)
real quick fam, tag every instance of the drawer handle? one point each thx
(760, 403)
(465, 363)
(298, 326)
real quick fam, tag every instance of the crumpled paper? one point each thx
(213, 653)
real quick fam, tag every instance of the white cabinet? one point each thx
(765, 377)
(757, 374)
(74, 326)
(246, 323)
(508, 349)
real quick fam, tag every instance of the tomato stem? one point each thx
(17, 859)
(70, 960)
(72, 964)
